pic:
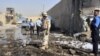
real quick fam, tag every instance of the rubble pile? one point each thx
(14, 49)
(17, 44)
(72, 46)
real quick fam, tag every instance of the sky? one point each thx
(28, 7)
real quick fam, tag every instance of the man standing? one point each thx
(95, 31)
(31, 27)
(46, 25)
(38, 26)
(27, 24)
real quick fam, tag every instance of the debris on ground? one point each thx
(17, 44)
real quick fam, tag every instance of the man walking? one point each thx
(95, 31)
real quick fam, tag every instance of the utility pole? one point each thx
(44, 1)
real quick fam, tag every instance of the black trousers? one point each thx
(95, 40)
(95, 48)
(31, 29)
(38, 30)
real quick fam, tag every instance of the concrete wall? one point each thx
(67, 13)
(2, 18)
(63, 12)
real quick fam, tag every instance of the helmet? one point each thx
(44, 14)
(97, 9)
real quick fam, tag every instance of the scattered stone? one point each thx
(76, 55)
(5, 46)
(16, 48)
(8, 54)
(91, 54)
(71, 51)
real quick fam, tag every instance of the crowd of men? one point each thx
(42, 24)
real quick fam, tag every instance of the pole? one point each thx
(44, 1)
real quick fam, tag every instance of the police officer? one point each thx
(95, 31)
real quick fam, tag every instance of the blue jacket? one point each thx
(96, 22)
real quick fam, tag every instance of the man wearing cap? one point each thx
(95, 31)
(46, 25)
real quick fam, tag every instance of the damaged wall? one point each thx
(8, 17)
(2, 19)
(67, 13)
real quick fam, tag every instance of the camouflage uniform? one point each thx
(46, 26)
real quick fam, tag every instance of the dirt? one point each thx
(15, 48)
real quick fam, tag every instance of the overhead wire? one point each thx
(44, 5)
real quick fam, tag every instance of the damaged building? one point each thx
(10, 14)
(69, 15)
(7, 17)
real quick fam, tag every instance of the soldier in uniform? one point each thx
(46, 25)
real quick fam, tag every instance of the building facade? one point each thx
(67, 14)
